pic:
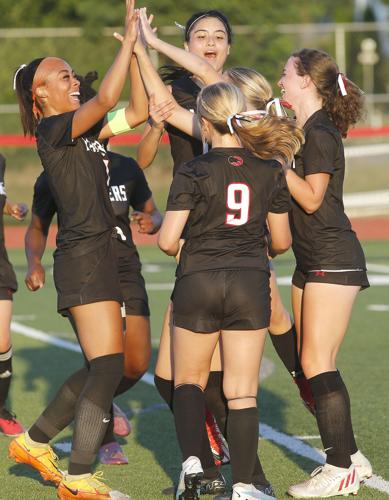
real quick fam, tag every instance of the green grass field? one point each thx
(39, 369)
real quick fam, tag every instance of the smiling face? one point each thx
(208, 39)
(56, 87)
(290, 83)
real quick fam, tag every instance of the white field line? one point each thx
(291, 443)
(378, 307)
(378, 268)
(366, 150)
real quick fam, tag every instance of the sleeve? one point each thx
(280, 202)
(319, 152)
(142, 192)
(57, 130)
(43, 204)
(182, 192)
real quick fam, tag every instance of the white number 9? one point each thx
(240, 206)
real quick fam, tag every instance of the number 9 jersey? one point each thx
(229, 192)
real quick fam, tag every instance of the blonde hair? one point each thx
(253, 85)
(269, 137)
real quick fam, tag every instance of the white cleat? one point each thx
(362, 464)
(190, 478)
(328, 481)
(242, 491)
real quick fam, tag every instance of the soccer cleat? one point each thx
(190, 480)
(214, 486)
(87, 487)
(121, 425)
(9, 426)
(362, 464)
(327, 481)
(266, 489)
(242, 491)
(305, 392)
(112, 454)
(218, 444)
(42, 458)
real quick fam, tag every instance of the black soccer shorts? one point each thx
(335, 277)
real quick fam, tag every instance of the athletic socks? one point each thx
(92, 411)
(189, 416)
(333, 417)
(5, 375)
(215, 401)
(242, 429)
(60, 411)
(286, 348)
(166, 390)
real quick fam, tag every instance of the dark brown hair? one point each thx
(23, 78)
(344, 111)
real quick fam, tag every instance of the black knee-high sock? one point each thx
(189, 417)
(217, 404)
(60, 411)
(242, 428)
(333, 417)
(353, 444)
(92, 411)
(215, 401)
(5, 375)
(286, 348)
(166, 390)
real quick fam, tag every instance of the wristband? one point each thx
(117, 121)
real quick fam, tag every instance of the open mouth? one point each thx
(75, 96)
(210, 54)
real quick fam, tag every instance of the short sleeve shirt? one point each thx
(182, 146)
(229, 192)
(77, 176)
(324, 239)
(43, 203)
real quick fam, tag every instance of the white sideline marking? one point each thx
(305, 438)
(378, 268)
(366, 150)
(291, 443)
(24, 317)
(151, 268)
(378, 307)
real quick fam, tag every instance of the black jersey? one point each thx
(182, 146)
(7, 274)
(229, 192)
(324, 239)
(77, 175)
(127, 187)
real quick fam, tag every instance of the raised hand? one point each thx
(130, 26)
(147, 32)
(18, 210)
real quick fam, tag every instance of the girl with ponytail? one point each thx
(224, 198)
(330, 264)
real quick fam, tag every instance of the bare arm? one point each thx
(35, 244)
(281, 238)
(180, 117)
(148, 217)
(309, 192)
(111, 87)
(193, 63)
(171, 230)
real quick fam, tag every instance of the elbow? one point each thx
(107, 100)
(312, 206)
(166, 245)
(281, 246)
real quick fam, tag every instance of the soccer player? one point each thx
(69, 144)
(222, 287)
(330, 264)
(8, 286)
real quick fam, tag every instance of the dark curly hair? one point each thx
(344, 111)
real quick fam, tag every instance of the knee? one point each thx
(109, 367)
(280, 319)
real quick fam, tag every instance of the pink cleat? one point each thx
(112, 454)
(121, 425)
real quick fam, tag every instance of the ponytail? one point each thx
(23, 78)
(342, 99)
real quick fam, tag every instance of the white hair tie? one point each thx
(229, 123)
(17, 72)
(180, 26)
(277, 103)
(342, 86)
